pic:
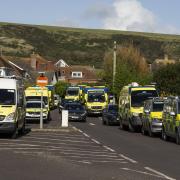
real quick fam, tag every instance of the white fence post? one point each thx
(64, 118)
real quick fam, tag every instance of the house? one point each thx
(8, 68)
(77, 74)
(61, 63)
(162, 62)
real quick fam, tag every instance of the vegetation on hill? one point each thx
(81, 46)
(168, 79)
(131, 67)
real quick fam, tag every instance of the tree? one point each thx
(131, 67)
(60, 88)
(168, 79)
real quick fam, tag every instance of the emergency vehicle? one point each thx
(131, 105)
(12, 107)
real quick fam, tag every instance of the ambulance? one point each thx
(73, 93)
(131, 105)
(34, 94)
(95, 99)
(12, 106)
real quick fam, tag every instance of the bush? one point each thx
(60, 88)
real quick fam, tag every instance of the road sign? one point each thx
(42, 81)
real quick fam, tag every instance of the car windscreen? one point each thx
(37, 98)
(76, 107)
(7, 97)
(34, 105)
(158, 106)
(138, 97)
(96, 97)
(73, 92)
(113, 108)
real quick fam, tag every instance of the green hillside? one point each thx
(81, 46)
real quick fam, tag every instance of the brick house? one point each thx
(77, 74)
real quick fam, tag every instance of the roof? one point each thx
(5, 63)
(7, 83)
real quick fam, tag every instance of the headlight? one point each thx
(135, 114)
(10, 117)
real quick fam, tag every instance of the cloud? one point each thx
(129, 15)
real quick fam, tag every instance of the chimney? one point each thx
(166, 57)
(33, 61)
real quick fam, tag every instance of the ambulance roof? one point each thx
(7, 83)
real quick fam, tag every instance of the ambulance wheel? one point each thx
(151, 134)
(14, 135)
(164, 136)
(131, 128)
(177, 137)
(23, 129)
(143, 131)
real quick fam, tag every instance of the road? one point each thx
(163, 157)
(92, 151)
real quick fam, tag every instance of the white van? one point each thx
(12, 108)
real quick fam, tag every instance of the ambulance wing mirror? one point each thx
(172, 113)
(147, 111)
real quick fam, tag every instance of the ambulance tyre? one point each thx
(131, 128)
(151, 134)
(143, 131)
(14, 135)
(23, 129)
(177, 137)
(164, 136)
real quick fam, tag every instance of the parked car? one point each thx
(110, 115)
(76, 111)
(56, 100)
(152, 116)
(171, 119)
(63, 102)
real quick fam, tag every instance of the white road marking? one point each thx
(85, 162)
(97, 142)
(92, 124)
(60, 140)
(80, 131)
(159, 173)
(86, 135)
(127, 158)
(141, 172)
(58, 143)
(108, 148)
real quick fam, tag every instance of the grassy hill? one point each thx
(81, 46)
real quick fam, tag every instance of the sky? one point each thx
(157, 16)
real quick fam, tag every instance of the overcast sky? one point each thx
(133, 15)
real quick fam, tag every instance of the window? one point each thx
(77, 74)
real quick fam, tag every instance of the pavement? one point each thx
(86, 151)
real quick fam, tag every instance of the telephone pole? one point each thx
(114, 63)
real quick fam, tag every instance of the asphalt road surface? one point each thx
(150, 153)
(92, 152)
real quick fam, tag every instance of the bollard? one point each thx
(64, 118)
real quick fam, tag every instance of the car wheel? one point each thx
(103, 122)
(177, 137)
(164, 136)
(108, 123)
